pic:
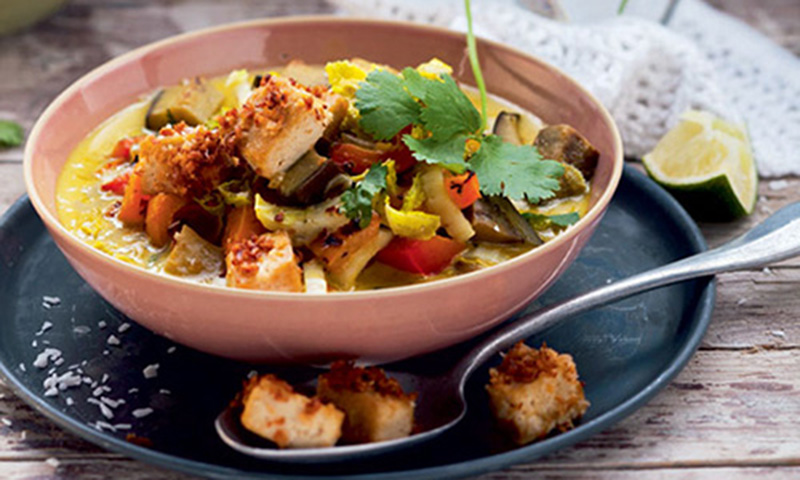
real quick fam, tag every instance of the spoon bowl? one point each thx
(444, 407)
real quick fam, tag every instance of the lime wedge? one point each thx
(707, 164)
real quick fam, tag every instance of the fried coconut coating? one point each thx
(265, 262)
(375, 406)
(534, 391)
(273, 410)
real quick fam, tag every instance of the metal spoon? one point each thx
(441, 403)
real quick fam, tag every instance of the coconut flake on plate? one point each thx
(151, 371)
(45, 327)
(142, 412)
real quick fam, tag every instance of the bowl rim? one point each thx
(59, 230)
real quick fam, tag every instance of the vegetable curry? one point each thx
(326, 178)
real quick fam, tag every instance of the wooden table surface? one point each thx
(734, 412)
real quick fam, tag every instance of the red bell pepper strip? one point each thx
(426, 257)
(123, 149)
(117, 184)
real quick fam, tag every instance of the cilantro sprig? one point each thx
(11, 134)
(357, 200)
(447, 121)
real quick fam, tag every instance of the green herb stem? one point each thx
(472, 48)
(622, 6)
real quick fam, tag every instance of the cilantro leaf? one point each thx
(565, 219)
(541, 222)
(357, 200)
(10, 134)
(516, 171)
(446, 110)
(449, 152)
(415, 83)
(385, 105)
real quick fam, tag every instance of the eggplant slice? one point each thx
(495, 219)
(564, 144)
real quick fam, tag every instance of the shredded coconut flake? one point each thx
(45, 327)
(101, 324)
(124, 327)
(49, 354)
(107, 412)
(142, 412)
(81, 329)
(52, 301)
(111, 402)
(112, 340)
(70, 401)
(151, 371)
(164, 391)
(171, 349)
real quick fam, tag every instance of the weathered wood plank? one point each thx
(90, 468)
(777, 19)
(96, 469)
(11, 184)
(541, 471)
(756, 309)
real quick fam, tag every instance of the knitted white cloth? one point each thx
(647, 74)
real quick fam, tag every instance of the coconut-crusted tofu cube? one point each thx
(265, 262)
(184, 161)
(273, 410)
(375, 406)
(534, 391)
(280, 122)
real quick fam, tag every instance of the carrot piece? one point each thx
(161, 211)
(332, 249)
(241, 224)
(464, 189)
(134, 203)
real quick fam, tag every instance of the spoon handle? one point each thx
(775, 239)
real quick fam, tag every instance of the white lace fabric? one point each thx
(647, 75)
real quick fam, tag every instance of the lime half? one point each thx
(707, 164)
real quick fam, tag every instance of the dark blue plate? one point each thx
(625, 353)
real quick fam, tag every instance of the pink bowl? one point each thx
(375, 326)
